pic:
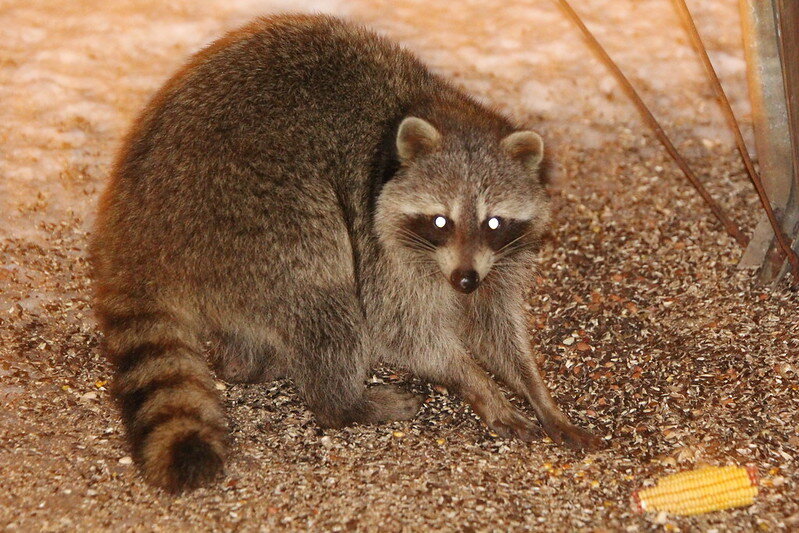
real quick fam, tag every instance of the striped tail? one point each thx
(169, 404)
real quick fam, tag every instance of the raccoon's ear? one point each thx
(527, 147)
(416, 137)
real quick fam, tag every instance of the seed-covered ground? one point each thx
(647, 332)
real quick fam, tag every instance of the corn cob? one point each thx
(700, 491)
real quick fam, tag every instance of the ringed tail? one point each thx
(167, 398)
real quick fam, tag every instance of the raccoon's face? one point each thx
(467, 208)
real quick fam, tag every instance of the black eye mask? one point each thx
(509, 231)
(424, 226)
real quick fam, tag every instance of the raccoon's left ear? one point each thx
(416, 137)
(527, 147)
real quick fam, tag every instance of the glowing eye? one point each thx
(440, 221)
(493, 222)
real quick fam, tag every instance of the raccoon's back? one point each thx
(288, 109)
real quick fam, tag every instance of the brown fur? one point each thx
(262, 201)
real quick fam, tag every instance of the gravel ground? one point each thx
(647, 331)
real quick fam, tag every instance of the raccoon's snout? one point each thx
(465, 281)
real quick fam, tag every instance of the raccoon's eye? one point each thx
(440, 221)
(494, 222)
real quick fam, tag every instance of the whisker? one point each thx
(415, 244)
(514, 247)
(409, 236)
(514, 241)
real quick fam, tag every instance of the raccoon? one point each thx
(311, 199)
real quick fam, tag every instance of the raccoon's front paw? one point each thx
(389, 402)
(564, 432)
(512, 424)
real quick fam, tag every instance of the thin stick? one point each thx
(731, 228)
(724, 102)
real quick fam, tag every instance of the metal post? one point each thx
(771, 41)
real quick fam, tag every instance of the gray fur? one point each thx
(259, 202)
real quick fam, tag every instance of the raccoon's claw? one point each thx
(514, 425)
(565, 433)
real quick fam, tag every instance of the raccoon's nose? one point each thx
(464, 280)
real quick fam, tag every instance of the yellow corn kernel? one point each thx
(700, 491)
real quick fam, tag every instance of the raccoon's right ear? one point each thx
(416, 137)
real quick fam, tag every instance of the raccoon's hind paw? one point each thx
(191, 461)
(389, 402)
(383, 403)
